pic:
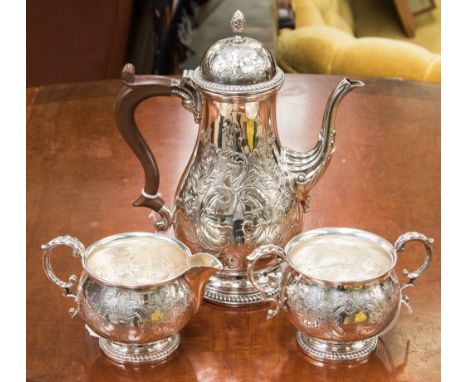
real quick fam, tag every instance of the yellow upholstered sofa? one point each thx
(359, 38)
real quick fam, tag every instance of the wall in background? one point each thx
(71, 41)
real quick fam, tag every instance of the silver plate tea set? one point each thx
(239, 207)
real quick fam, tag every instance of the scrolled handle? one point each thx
(262, 251)
(411, 276)
(135, 90)
(78, 251)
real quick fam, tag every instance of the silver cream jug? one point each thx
(136, 292)
(241, 188)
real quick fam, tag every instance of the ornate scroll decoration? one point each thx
(332, 314)
(159, 311)
(234, 199)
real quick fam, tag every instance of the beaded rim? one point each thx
(216, 297)
(239, 90)
(331, 356)
(143, 357)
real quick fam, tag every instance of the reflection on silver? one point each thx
(241, 188)
(238, 64)
(251, 110)
(136, 323)
(225, 108)
(339, 321)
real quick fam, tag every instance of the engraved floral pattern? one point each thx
(238, 65)
(341, 313)
(232, 200)
(238, 61)
(128, 315)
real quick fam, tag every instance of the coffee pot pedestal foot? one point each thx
(228, 288)
(336, 352)
(140, 353)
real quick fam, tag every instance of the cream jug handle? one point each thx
(267, 250)
(411, 276)
(78, 251)
(135, 90)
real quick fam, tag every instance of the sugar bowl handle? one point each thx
(411, 276)
(135, 90)
(78, 251)
(262, 251)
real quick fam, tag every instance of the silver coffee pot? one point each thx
(241, 188)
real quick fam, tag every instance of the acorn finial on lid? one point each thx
(237, 22)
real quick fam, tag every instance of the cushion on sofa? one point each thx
(324, 42)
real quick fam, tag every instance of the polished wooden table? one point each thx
(82, 178)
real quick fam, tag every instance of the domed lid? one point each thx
(238, 65)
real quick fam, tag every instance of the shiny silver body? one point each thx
(135, 324)
(242, 188)
(136, 316)
(340, 321)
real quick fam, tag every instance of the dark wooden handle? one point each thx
(136, 90)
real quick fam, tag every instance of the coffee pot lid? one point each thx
(238, 65)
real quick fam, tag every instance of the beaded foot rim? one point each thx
(306, 343)
(226, 299)
(138, 354)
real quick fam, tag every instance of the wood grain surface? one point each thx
(82, 178)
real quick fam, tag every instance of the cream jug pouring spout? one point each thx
(201, 267)
(307, 167)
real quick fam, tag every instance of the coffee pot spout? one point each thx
(307, 167)
(201, 267)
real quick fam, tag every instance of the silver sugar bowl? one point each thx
(241, 188)
(339, 288)
(136, 292)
